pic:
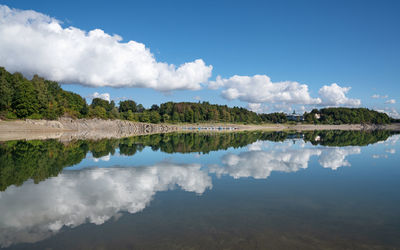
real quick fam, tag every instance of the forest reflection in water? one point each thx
(40, 159)
(50, 187)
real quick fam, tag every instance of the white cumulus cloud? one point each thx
(104, 96)
(260, 89)
(258, 107)
(34, 43)
(390, 111)
(334, 95)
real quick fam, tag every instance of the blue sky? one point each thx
(314, 43)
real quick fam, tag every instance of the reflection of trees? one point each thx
(38, 160)
(196, 142)
(102, 147)
(102, 193)
(191, 142)
(347, 138)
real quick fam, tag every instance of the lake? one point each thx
(244, 190)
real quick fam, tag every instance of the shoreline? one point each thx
(67, 129)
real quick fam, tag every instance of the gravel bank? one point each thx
(66, 129)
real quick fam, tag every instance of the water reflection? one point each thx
(259, 164)
(36, 209)
(38, 160)
(33, 212)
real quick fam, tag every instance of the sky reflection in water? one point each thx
(100, 188)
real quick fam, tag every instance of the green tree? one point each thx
(140, 108)
(25, 102)
(6, 90)
(99, 112)
(155, 117)
(125, 106)
(98, 102)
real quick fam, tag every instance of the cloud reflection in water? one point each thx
(259, 164)
(33, 212)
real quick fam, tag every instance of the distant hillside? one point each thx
(43, 99)
(346, 116)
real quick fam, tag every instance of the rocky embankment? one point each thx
(66, 129)
(69, 129)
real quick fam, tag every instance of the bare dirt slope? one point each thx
(67, 129)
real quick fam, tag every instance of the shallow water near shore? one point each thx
(245, 190)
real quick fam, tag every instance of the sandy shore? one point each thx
(66, 129)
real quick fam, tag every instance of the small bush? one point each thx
(11, 116)
(35, 116)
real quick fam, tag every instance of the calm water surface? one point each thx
(253, 190)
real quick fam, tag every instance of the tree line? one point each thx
(39, 98)
(339, 116)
